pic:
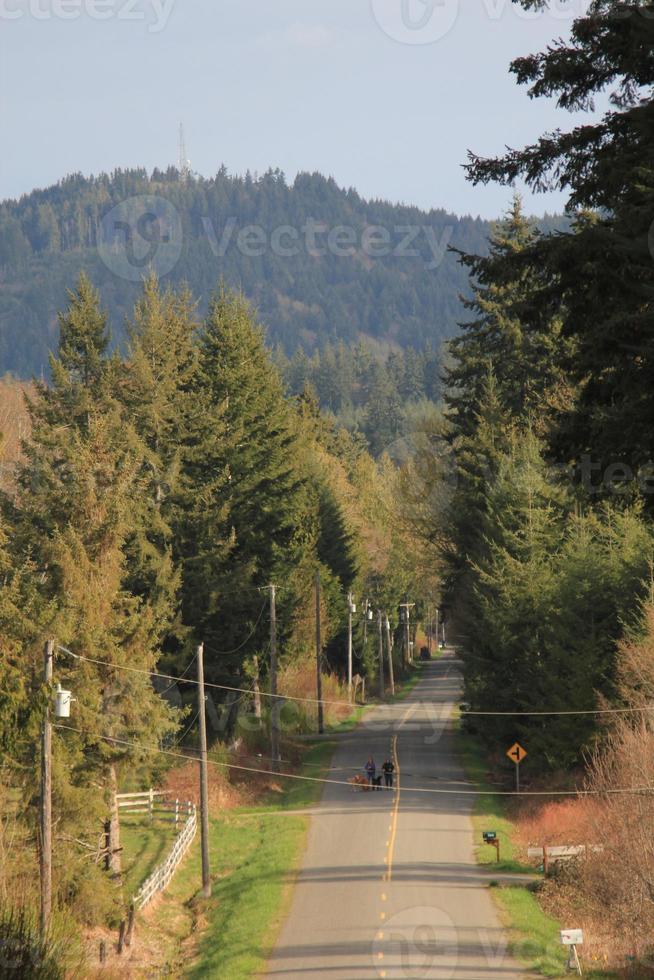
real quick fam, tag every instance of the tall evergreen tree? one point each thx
(524, 356)
(258, 502)
(601, 272)
(156, 390)
(75, 516)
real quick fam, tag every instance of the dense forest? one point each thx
(534, 488)
(320, 263)
(156, 496)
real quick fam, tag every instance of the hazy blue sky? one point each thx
(384, 95)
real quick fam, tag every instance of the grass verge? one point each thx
(145, 843)
(533, 936)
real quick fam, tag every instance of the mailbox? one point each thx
(572, 937)
(490, 836)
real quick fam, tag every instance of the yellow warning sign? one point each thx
(516, 753)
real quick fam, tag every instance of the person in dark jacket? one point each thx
(388, 769)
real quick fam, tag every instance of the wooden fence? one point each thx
(156, 805)
(552, 855)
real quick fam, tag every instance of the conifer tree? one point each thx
(75, 516)
(249, 527)
(524, 355)
(156, 390)
(600, 273)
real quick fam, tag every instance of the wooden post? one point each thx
(46, 796)
(429, 633)
(176, 813)
(381, 653)
(121, 936)
(256, 690)
(130, 925)
(389, 647)
(151, 804)
(321, 721)
(204, 778)
(349, 646)
(275, 706)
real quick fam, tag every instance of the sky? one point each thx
(386, 96)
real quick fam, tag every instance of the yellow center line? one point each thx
(396, 808)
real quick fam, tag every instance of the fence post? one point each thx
(151, 804)
(130, 925)
(176, 813)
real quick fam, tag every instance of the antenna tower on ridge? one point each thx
(183, 163)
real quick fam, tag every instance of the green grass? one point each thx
(144, 844)
(252, 862)
(489, 812)
(533, 936)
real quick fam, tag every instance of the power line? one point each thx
(228, 653)
(189, 680)
(291, 697)
(627, 790)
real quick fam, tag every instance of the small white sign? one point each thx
(572, 937)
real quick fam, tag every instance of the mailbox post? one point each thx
(573, 938)
(490, 837)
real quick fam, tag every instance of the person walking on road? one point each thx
(388, 769)
(371, 769)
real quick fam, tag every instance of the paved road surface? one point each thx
(388, 885)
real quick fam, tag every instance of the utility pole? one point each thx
(405, 607)
(429, 630)
(204, 778)
(321, 725)
(350, 609)
(46, 796)
(438, 630)
(381, 653)
(275, 706)
(389, 647)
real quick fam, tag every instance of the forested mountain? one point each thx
(320, 263)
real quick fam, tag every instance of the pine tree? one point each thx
(523, 355)
(156, 390)
(249, 526)
(75, 516)
(600, 273)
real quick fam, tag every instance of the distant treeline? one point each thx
(368, 393)
(320, 263)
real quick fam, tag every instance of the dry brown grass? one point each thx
(14, 426)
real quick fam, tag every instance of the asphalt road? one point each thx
(388, 885)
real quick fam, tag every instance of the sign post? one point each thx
(573, 938)
(516, 754)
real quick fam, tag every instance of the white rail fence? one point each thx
(155, 804)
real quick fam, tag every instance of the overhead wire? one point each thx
(626, 790)
(308, 700)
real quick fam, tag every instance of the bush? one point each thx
(24, 955)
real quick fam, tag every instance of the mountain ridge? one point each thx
(320, 262)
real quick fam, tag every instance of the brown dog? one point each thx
(359, 782)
